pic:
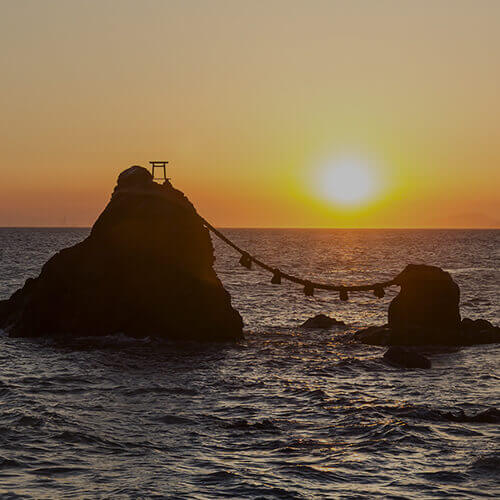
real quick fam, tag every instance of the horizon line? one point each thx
(480, 228)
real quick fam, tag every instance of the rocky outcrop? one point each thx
(426, 311)
(322, 321)
(146, 269)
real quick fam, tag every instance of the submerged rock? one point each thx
(426, 312)
(398, 356)
(374, 335)
(321, 321)
(146, 269)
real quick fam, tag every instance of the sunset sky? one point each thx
(260, 106)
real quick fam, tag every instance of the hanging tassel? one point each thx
(246, 261)
(379, 292)
(308, 289)
(343, 295)
(276, 279)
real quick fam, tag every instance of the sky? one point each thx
(271, 113)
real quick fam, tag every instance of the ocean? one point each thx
(286, 413)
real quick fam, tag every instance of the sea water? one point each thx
(286, 413)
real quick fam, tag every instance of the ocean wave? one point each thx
(9, 463)
(314, 472)
(174, 420)
(487, 462)
(184, 391)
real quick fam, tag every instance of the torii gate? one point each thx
(162, 165)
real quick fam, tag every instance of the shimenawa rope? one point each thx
(246, 260)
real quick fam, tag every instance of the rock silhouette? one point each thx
(322, 321)
(427, 306)
(426, 311)
(146, 269)
(478, 331)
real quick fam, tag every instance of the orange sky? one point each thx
(248, 100)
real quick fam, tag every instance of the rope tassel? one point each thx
(343, 295)
(379, 292)
(246, 261)
(276, 279)
(308, 289)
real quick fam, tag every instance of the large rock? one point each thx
(426, 310)
(146, 269)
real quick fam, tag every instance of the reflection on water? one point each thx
(284, 414)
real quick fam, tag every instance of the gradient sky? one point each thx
(247, 99)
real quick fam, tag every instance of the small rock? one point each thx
(322, 321)
(479, 331)
(477, 325)
(407, 359)
(482, 324)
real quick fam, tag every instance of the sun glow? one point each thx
(348, 182)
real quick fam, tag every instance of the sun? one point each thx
(347, 181)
